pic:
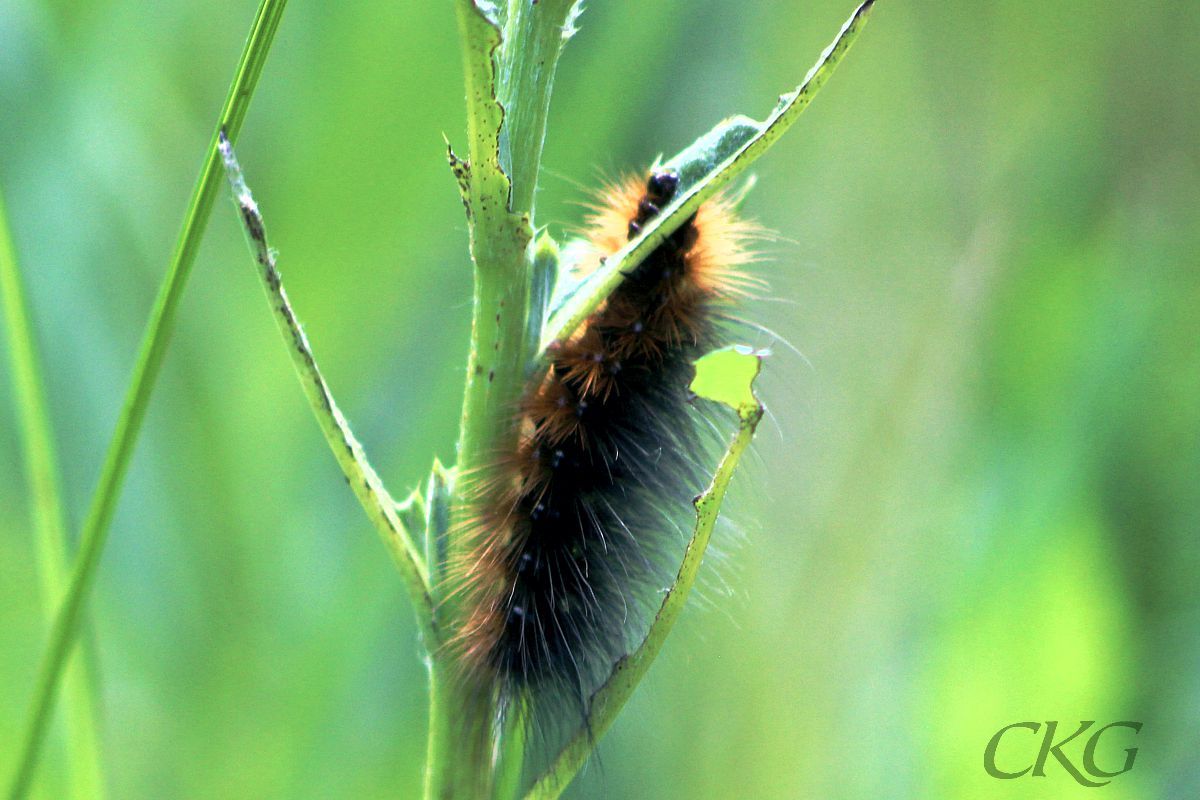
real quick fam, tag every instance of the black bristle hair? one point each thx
(568, 551)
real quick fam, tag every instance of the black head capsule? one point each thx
(662, 186)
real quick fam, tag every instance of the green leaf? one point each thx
(725, 376)
(706, 155)
(411, 511)
(708, 164)
(439, 493)
(545, 268)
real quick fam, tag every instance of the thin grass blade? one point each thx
(36, 435)
(150, 357)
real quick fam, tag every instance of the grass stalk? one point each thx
(48, 516)
(96, 525)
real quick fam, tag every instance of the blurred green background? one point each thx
(981, 501)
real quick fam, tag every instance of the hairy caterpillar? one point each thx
(566, 549)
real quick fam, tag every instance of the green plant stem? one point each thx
(150, 357)
(508, 81)
(534, 37)
(48, 515)
(363, 480)
(610, 698)
(499, 238)
(458, 762)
